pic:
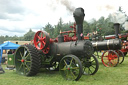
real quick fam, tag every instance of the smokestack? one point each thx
(79, 18)
(117, 29)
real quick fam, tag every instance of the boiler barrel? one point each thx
(78, 48)
(107, 45)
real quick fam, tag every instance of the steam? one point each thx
(53, 4)
(106, 7)
(119, 17)
(125, 25)
(68, 6)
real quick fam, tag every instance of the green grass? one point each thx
(105, 76)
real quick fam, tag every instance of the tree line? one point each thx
(104, 24)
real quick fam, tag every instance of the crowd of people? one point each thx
(11, 51)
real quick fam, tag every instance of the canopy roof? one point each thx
(7, 45)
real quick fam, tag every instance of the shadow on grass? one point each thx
(47, 73)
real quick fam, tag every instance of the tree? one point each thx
(86, 28)
(15, 38)
(93, 25)
(2, 39)
(58, 28)
(49, 28)
(29, 35)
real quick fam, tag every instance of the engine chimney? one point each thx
(79, 17)
(117, 29)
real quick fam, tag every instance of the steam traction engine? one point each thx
(118, 55)
(73, 56)
(118, 52)
(111, 46)
(123, 37)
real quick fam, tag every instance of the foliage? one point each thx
(1, 39)
(49, 28)
(55, 30)
(29, 35)
(103, 25)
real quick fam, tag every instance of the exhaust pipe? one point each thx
(117, 29)
(79, 18)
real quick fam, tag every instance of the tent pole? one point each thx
(0, 55)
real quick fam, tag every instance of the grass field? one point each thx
(105, 76)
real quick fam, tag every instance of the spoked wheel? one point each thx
(121, 56)
(90, 65)
(97, 54)
(70, 67)
(27, 60)
(41, 41)
(110, 58)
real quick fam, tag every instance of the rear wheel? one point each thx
(121, 56)
(70, 67)
(90, 65)
(110, 58)
(27, 60)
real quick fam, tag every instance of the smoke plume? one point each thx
(68, 6)
(125, 25)
(106, 7)
(118, 17)
(53, 4)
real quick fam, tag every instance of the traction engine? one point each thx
(112, 54)
(118, 53)
(123, 37)
(72, 56)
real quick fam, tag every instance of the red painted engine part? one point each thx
(41, 41)
(67, 37)
(110, 58)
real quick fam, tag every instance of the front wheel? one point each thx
(110, 58)
(70, 67)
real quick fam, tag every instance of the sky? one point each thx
(18, 16)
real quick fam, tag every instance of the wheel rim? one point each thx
(70, 67)
(41, 40)
(110, 58)
(90, 65)
(121, 56)
(23, 61)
